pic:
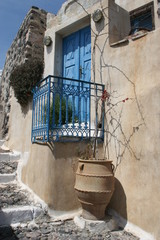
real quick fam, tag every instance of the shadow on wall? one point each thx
(118, 202)
(100, 25)
(70, 149)
(25, 109)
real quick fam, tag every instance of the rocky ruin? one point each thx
(27, 44)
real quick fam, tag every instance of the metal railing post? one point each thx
(103, 112)
(48, 107)
(33, 111)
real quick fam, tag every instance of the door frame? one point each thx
(57, 60)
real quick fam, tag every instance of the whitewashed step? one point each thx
(2, 142)
(109, 224)
(18, 214)
(6, 178)
(9, 156)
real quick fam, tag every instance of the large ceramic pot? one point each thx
(94, 187)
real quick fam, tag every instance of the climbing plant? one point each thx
(118, 138)
(24, 77)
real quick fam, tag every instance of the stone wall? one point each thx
(27, 44)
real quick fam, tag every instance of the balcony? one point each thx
(65, 110)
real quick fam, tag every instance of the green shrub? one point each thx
(24, 77)
(63, 111)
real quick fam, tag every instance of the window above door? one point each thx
(142, 18)
(125, 25)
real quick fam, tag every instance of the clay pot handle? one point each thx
(113, 167)
(81, 167)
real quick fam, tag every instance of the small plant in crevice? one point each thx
(24, 77)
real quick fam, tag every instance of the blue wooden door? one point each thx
(77, 55)
(77, 65)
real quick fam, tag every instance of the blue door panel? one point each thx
(77, 65)
(85, 64)
(85, 53)
(69, 71)
(71, 56)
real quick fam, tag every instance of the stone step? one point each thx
(21, 214)
(7, 178)
(108, 224)
(12, 195)
(10, 156)
(8, 167)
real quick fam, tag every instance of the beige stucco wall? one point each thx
(138, 173)
(19, 136)
(50, 172)
(129, 70)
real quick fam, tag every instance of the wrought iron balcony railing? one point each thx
(65, 110)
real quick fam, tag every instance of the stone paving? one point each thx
(44, 227)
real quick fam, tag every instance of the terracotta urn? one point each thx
(94, 186)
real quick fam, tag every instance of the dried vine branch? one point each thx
(115, 135)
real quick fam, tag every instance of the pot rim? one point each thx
(95, 161)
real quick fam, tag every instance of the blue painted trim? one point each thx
(48, 109)
(32, 121)
(103, 113)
